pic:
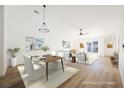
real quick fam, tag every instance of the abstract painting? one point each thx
(33, 43)
(109, 45)
(95, 46)
(89, 47)
(81, 45)
(66, 44)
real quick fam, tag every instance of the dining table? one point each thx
(51, 59)
(48, 58)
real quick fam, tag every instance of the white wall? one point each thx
(121, 42)
(2, 43)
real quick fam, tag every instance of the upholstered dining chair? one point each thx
(61, 54)
(34, 71)
(53, 53)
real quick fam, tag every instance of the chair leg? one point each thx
(62, 65)
(47, 71)
(29, 81)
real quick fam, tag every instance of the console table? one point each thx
(114, 60)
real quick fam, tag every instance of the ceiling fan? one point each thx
(82, 32)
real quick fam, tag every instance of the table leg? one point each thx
(31, 57)
(62, 65)
(47, 71)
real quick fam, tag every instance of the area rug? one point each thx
(55, 79)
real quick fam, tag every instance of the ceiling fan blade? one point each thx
(75, 26)
(81, 33)
(85, 33)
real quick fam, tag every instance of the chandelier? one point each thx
(43, 28)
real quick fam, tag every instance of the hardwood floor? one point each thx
(12, 79)
(101, 74)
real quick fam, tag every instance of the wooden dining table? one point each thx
(50, 59)
(47, 58)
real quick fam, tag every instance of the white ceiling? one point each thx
(65, 20)
(97, 20)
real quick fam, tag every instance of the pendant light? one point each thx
(43, 28)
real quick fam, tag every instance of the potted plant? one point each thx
(13, 53)
(45, 48)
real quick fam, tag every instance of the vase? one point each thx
(13, 62)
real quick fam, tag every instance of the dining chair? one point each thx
(34, 71)
(53, 53)
(61, 54)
